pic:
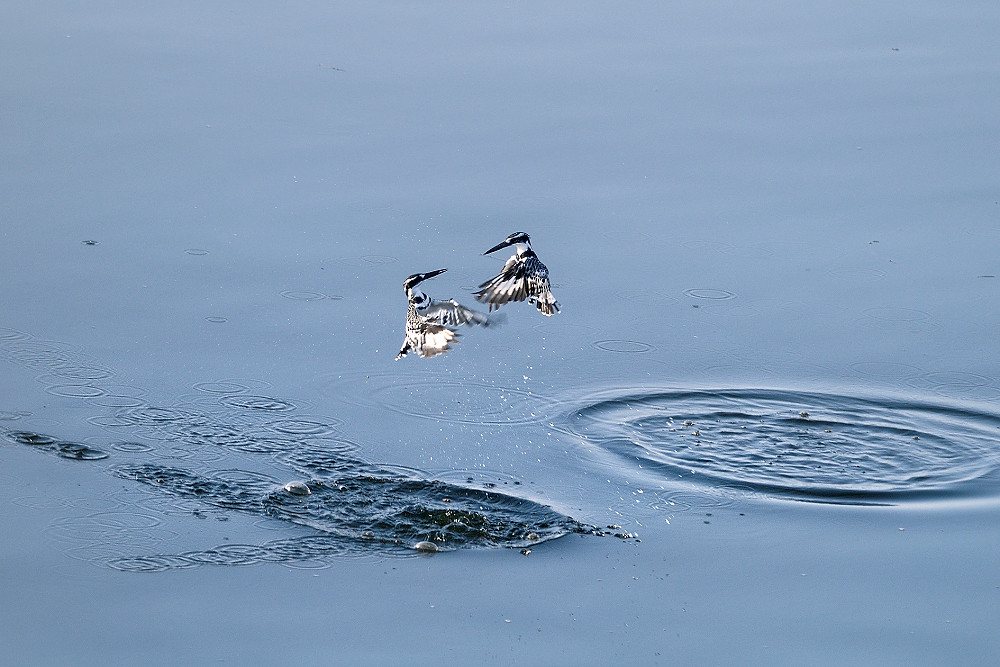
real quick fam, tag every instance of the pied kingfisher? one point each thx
(429, 322)
(522, 277)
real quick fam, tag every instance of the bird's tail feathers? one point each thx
(547, 304)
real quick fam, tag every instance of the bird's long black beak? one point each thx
(431, 274)
(417, 278)
(502, 244)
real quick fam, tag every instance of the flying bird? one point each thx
(523, 277)
(429, 323)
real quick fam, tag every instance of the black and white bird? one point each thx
(523, 277)
(430, 324)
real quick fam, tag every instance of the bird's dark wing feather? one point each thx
(511, 284)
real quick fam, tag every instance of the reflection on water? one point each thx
(798, 445)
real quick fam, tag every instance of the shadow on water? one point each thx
(798, 445)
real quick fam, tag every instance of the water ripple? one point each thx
(799, 445)
(356, 503)
(709, 293)
(626, 346)
(67, 450)
(309, 295)
(262, 403)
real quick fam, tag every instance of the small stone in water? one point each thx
(297, 489)
(425, 546)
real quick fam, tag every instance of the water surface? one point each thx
(772, 231)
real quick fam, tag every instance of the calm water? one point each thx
(765, 427)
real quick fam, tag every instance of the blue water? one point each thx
(762, 429)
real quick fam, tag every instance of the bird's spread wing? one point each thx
(511, 284)
(452, 314)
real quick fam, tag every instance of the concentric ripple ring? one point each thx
(800, 445)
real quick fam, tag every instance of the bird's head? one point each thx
(417, 278)
(519, 239)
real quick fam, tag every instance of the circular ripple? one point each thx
(43, 354)
(156, 563)
(31, 438)
(80, 372)
(307, 295)
(151, 415)
(627, 346)
(117, 401)
(368, 260)
(263, 403)
(75, 390)
(302, 426)
(805, 446)
(893, 314)
(712, 294)
(231, 386)
(125, 520)
(221, 387)
(132, 447)
(79, 452)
